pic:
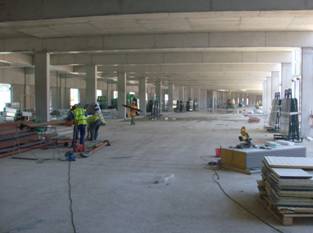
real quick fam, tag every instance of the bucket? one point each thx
(218, 152)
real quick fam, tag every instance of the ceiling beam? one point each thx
(172, 58)
(252, 76)
(17, 59)
(51, 9)
(188, 68)
(160, 41)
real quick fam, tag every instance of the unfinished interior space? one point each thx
(164, 116)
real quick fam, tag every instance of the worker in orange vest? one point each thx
(133, 111)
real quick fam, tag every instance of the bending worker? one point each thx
(94, 123)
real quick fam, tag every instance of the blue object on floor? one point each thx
(70, 156)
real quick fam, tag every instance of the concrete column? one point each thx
(276, 83)
(64, 96)
(109, 92)
(57, 99)
(91, 85)
(180, 93)
(159, 93)
(82, 96)
(306, 92)
(42, 85)
(268, 95)
(170, 96)
(191, 93)
(205, 104)
(210, 100)
(121, 89)
(286, 77)
(142, 95)
(27, 100)
(187, 93)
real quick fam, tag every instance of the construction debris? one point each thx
(16, 137)
(254, 119)
(287, 187)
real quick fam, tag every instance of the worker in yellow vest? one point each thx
(80, 120)
(94, 122)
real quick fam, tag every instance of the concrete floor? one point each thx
(153, 179)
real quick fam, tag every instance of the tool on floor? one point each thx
(89, 149)
(70, 156)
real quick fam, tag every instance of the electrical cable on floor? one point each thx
(70, 196)
(216, 179)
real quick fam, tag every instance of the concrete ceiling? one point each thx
(161, 23)
(149, 46)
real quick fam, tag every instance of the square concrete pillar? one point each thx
(91, 85)
(109, 93)
(159, 92)
(57, 95)
(42, 85)
(286, 77)
(209, 100)
(181, 93)
(170, 96)
(269, 97)
(306, 92)
(121, 89)
(276, 83)
(264, 91)
(187, 92)
(28, 76)
(142, 95)
(64, 94)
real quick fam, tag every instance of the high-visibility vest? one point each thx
(93, 118)
(80, 116)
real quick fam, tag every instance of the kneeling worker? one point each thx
(244, 138)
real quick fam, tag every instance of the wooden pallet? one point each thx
(287, 219)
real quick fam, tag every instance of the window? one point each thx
(166, 99)
(99, 93)
(5, 93)
(74, 96)
(115, 94)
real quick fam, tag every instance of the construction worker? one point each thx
(133, 111)
(70, 121)
(80, 120)
(245, 138)
(94, 122)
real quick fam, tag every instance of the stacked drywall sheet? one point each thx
(250, 160)
(287, 186)
(289, 120)
(274, 115)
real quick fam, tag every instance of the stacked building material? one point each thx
(289, 119)
(275, 113)
(249, 160)
(15, 139)
(287, 187)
